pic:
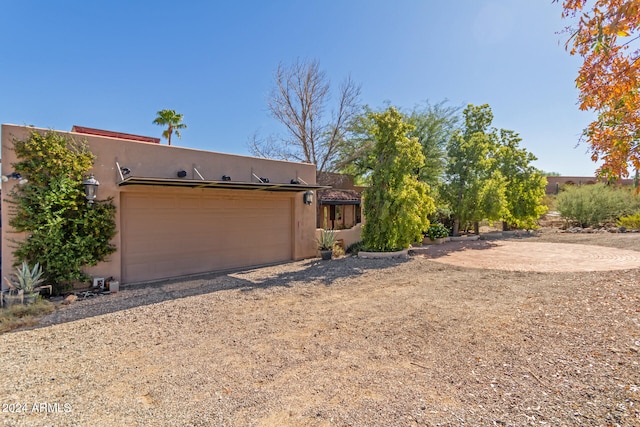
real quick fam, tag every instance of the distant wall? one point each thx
(554, 183)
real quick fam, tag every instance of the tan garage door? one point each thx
(196, 231)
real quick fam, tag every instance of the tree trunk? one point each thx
(456, 227)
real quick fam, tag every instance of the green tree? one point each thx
(63, 233)
(355, 156)
(525, 185)
(173, 122)
(396, 204)
(474, 189)
(433, 126)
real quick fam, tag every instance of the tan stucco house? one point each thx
(183, 211)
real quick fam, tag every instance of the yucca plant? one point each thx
(326, 240)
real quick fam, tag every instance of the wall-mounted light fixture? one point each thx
(90, 188)
(122, 171)
(307, 197)
(182, 174)
(16, 176)
(260, 178)
(226, 178)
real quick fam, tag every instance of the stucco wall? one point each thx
(349, 236)
(163, 161)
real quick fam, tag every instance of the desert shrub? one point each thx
(356, 247)
(550, 202)
(20, 316)
(631, 222)
(338, 251)
(597, 204)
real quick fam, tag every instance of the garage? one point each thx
(171, 232)
(182, 211)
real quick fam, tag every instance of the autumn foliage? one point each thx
(606, 35)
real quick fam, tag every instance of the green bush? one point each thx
(437, 230)
(356, 247)
(595, 205)
(631, 222)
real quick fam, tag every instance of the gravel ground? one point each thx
(359, 342)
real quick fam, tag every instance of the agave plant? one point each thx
(27, 279)
(326, 240)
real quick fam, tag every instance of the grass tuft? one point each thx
(22, 316)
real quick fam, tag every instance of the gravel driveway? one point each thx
(351, 341)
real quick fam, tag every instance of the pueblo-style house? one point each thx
(181, 211)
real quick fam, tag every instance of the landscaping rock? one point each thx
(69, 299)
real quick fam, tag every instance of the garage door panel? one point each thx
(179, 234)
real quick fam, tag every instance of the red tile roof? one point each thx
(335, 196)
(111, 134)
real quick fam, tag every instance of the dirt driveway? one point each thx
(528, 255)
(360, 342)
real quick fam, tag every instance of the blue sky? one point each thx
(113, 65)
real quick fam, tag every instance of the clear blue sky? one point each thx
(114, 64)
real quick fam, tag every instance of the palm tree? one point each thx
(172, 120)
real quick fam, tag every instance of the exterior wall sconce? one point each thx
(260, 178)
(90, 188)
(182, 174)
(16, 176)
(226, 178)
(123, 171)
(307, 197)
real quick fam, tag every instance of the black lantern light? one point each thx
(91, 188)
(308, 197)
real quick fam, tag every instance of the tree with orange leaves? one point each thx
(607, 37)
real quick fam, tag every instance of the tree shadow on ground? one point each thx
(312, 272)
(438, 251)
